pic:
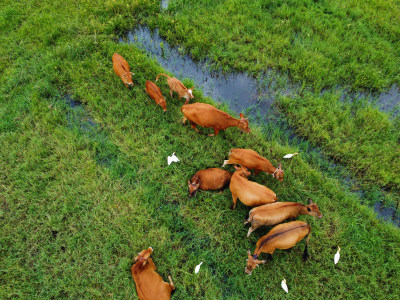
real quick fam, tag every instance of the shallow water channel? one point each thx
(254, 97)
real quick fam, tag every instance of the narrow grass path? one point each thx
(78, 201)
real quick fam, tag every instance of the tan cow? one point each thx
(208, 179)
(249, 192)
(282, 236)
(208, 116)
(254, 161)
(154, 92)
(176, 85)
(275, 213)
(149, 284)
(121, 68)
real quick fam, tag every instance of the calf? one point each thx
(121, 68)
(275, 213)
(154, 92)
(282, 236)
(149, 284)
(176, 85)
(209, 179)
(249, 192)
(208, 116)
(252, 160)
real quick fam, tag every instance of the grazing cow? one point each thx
(252, 160)
(208, 116)
(275, 213)
(149, 284)
(282, 236)
(154, 92)
(121, 68)
(249, 192)
(176, 85)
(209, 179)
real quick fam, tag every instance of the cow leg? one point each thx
(256, 172)
(184, 120)
(171, 283)
(193, 126)
(234, 198)
(225, 163)
(170, 92)
(215, 132)
(250, 231)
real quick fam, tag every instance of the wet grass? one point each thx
(321, 43)
(84, 188)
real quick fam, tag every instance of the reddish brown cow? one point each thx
(154, 92)
(282, 236)
(176, 85)
(252, 160)
(209, 179)
(249, 192)
(275, 213)
(208, 116)
(149, 284)
(121, 68)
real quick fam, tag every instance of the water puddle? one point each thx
(107, 154)
(164, 4)
(255, 97)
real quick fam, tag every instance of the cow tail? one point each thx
(161, 74)
(305, 254)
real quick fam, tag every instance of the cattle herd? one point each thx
(267, 211)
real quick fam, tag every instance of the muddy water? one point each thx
(255, 97)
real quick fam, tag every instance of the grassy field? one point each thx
(321, 45)
(84, 183)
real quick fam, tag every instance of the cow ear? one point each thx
(309, 201)
(191, 88)
(249, 252)
(136, 258)
(188, 181)
(241, 115)
(309, 209)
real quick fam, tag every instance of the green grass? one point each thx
(354, 133)
(321, 43)
(77, 202)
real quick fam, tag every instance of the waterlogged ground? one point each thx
(255, 97)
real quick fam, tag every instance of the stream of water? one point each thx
(255, 97)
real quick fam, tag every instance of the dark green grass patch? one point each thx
(77, 203)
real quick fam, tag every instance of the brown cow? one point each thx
(282, 236)
(249, 192)
(176, 85)
(275, 213)
(252, 160)
(208, 116)
(209, 179)
(149, 284)
(121, 68)
(154, 92)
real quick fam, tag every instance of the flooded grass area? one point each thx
(255, 97)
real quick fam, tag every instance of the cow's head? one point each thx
(244, 124)
(313, 210)
(193, 186)
(127, 78)
(190, 92)
(242, 171)
(144, 255)
(278, 174)
(252, 263)
(163, 104)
